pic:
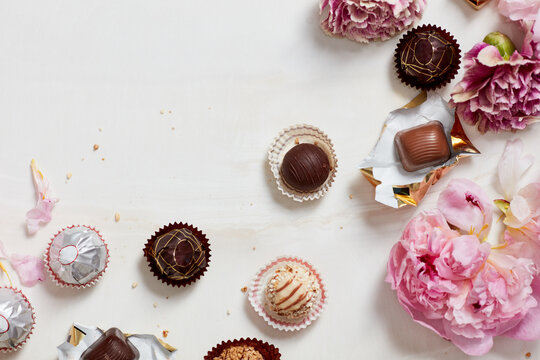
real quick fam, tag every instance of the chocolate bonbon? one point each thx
(16, 319)
(178, 254)
(77, 256)
(305, 167)
(427, 57)
(112, 345)
(422, 146)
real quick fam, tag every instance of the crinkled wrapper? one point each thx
(77, 256)
(81, 337)
(16, 319)
(396, 187)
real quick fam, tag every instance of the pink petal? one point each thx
(470, 346)
(512, 165)
(529, 327)
(465, 205)
(41, 213)
(29, 268)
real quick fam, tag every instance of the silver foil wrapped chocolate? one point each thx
(16, 319)
(77, 256)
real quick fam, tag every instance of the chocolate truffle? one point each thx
(240, 352)
(422, 146)
(305, 167)
(427, 57)
(112, 345)
(178, 254)
(291, 292)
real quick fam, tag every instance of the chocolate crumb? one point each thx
(102, 159)
(244, 289)
(296, 141)
(165, 333)
(228, 312)
(528, 355)
(96, 146)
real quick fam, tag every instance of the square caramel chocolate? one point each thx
(422, 146)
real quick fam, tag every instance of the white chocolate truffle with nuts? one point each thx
(292, 292)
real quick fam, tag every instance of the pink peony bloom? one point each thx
(517, 10)
(369, 20)
(454, 282)
(466, 206)
(497, 94)
(41, 213)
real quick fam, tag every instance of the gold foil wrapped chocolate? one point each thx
(477, 4)
(396, 187)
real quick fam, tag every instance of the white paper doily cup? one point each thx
(256, 295)
(286, 140)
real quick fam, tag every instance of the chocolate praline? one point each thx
(305, 167)
(178, 254)
(111, 345)
(427, 57)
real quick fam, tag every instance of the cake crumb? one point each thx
(82, 159)
(341, 228)
(117, 217)
(165, 333)
(528, 355)
(100, 129)
(170, 111)
(96, 146)
(350, 196)
(228, 312)
(102, 159)
(296, 141)
(155, 305)
(316, 143)
(250, 204)
(69, 175)
(172, 128)
(134, 285)
(244, 289)
(254, 248)
(162, 111)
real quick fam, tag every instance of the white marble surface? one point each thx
(233, 74)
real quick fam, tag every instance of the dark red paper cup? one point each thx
(423, 68)
(151, 256)
(268, 351)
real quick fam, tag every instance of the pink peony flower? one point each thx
(495, 93)
(454, 282)
(369, 20)
(41, 213)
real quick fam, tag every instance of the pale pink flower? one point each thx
(369, 20)
(531, 42)
(41, 213)
(517, 10)
(466, 206)
(497, 94)
(28, 268)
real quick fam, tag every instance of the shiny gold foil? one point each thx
(75, 336)
(477, 4)
(411, 194)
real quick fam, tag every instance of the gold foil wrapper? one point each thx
(411, 194)
(477, 4)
